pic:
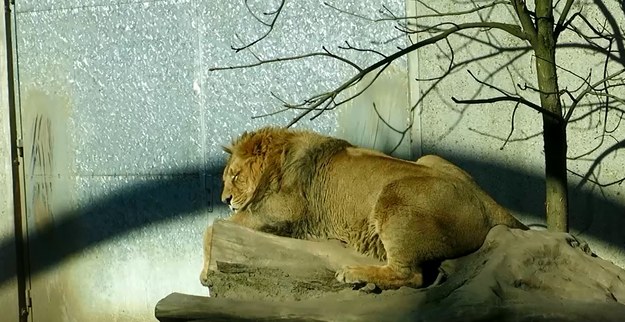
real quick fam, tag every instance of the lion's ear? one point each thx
(226, 149)
(255, 145)
(259, 148)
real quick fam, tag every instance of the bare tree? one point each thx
(540, 27)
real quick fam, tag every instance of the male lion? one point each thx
(305, 185)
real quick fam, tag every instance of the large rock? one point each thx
(515, 276)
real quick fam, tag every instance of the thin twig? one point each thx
(436, 14)
(526, 20)
(348, 46)
(507, 97)
(560, 25)
(403, 133)
(587, 91)
(526, 138)
(271, 24)
(290, 58)
(513, 29)
(516, 106)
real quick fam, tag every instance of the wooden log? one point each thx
(399, 307)
(237, 244)
(270, 266)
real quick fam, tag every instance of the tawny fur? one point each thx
(305, 185)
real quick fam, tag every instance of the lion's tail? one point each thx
(498, 214)
(504, 217)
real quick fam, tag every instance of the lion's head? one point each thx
(253, 162)
(240, 179)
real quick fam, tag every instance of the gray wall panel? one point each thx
(130, 242)
(230, 98)
(123, 124)
(127, 74)
(47, 5)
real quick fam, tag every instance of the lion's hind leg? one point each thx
(410, 236)
(401, 267)
(402, 262)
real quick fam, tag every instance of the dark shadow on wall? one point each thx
(590, 213)
(166, 197)
(182, 193)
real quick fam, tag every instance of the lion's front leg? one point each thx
(246, 219)
(385, 277)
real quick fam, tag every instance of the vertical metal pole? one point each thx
(8, 87)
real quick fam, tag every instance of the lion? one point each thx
(302, 184)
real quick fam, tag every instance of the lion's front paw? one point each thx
(204, 278)
(350, 275)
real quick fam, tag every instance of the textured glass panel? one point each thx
(127, 74)
(230, 98)
(47, 5)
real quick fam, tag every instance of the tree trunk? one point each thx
(554, 128)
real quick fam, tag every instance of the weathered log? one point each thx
(515, 276)
(247, 264)
(178, 307)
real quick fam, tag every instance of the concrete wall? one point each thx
(122, 123)
(473, 135)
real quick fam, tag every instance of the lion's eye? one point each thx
(235, 177)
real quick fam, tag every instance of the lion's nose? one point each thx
(227, 200)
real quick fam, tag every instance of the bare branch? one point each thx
(322, 98)
(511, 29)
(505, 99)
(283, 59)
(525, 138)
(526, 20)
(449, 67)
(560, 26)
(589, 90)
(328, 98)
(349, 13)
(435, 84)
(269, 114)
(366, 50)
(366, 87)
(345, 60)
(271, 24)
(426, 4)
(403, 133)
(516, 106)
